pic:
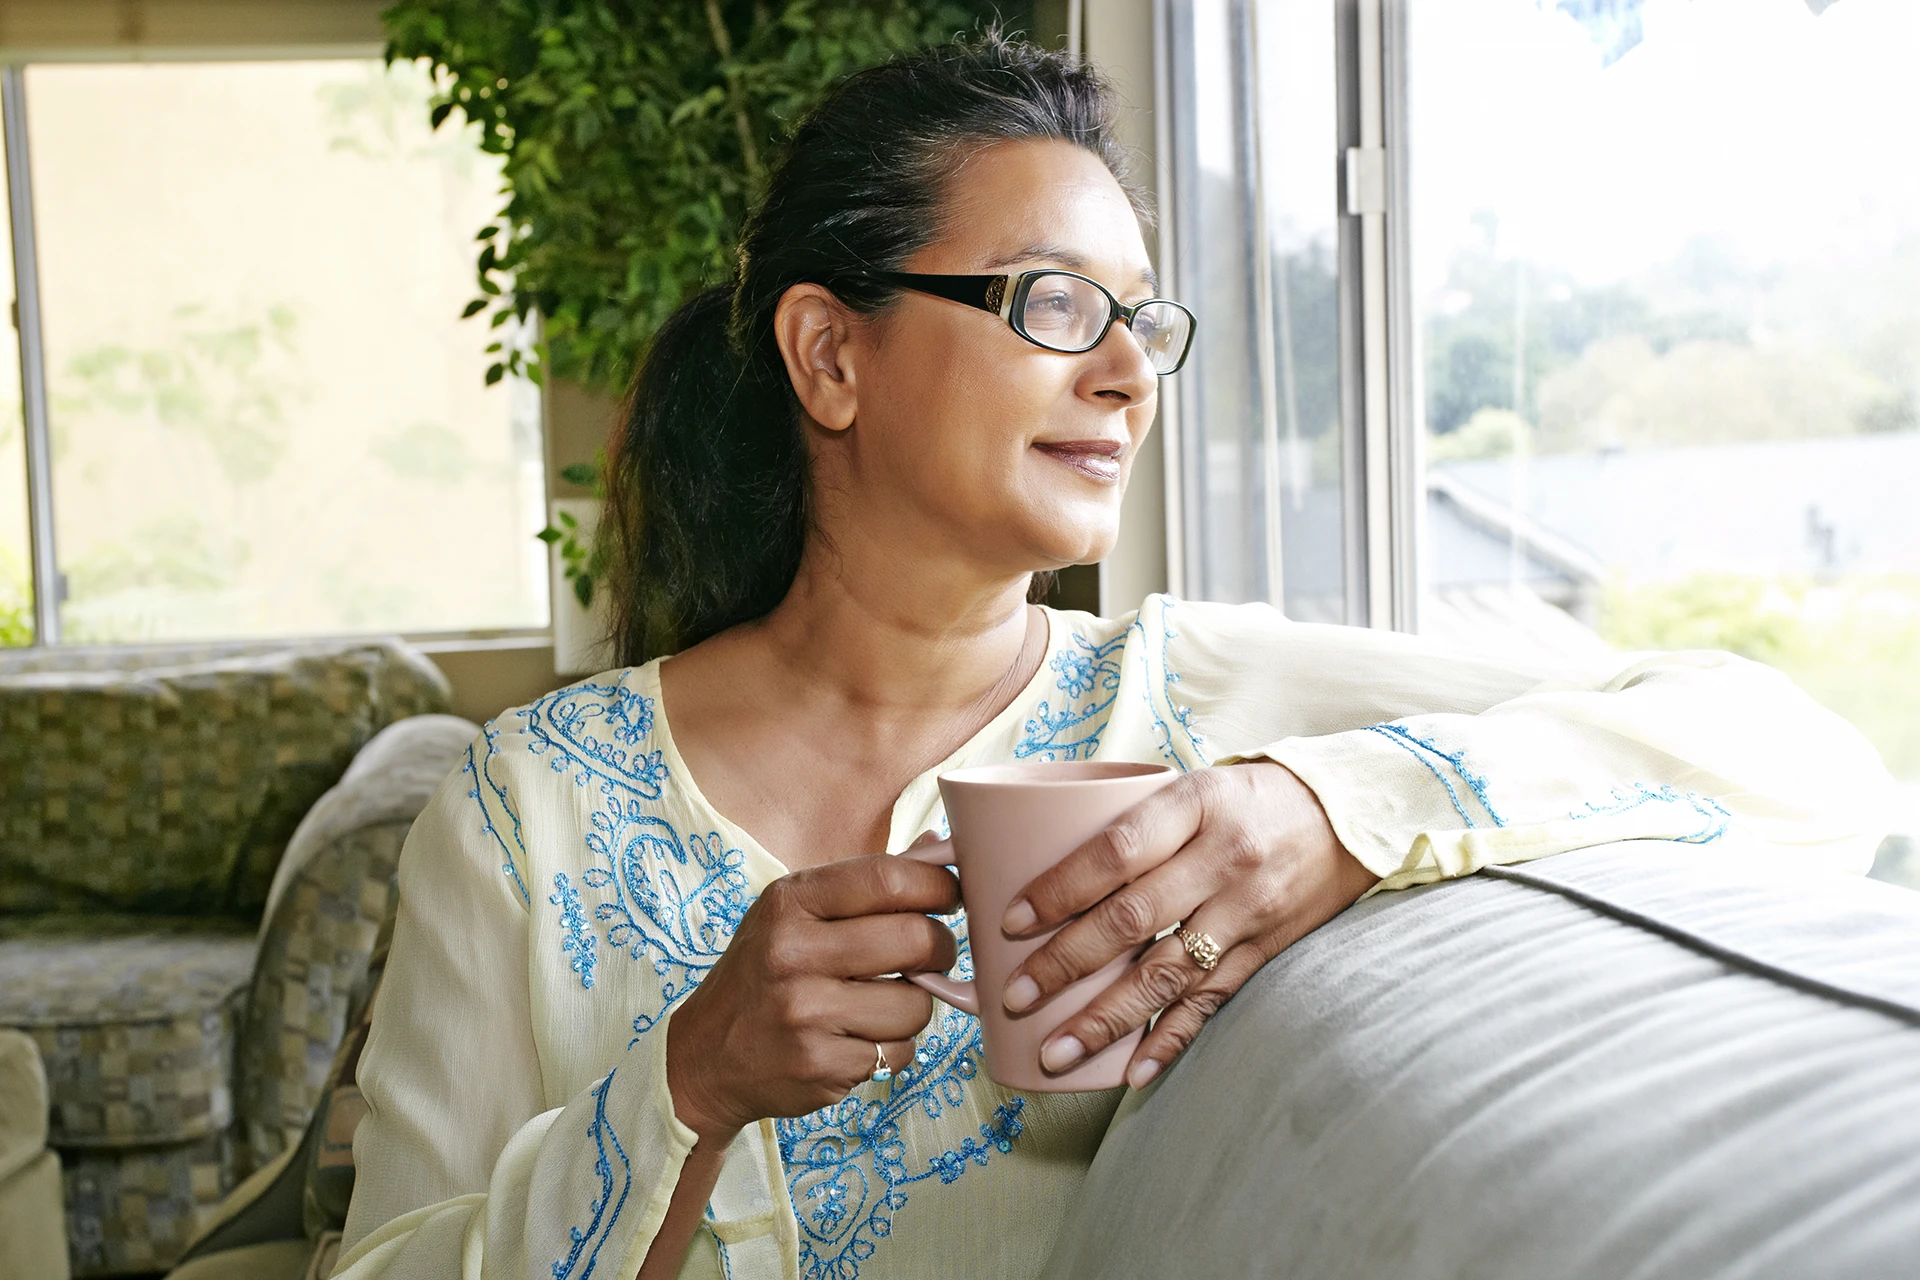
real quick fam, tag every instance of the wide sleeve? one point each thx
(465, 1167)
(1432, 763)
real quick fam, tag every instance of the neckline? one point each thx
(742, 839)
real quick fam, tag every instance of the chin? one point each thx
(1058, 543)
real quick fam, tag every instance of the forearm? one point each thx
(1678, 747)
(698, 1176)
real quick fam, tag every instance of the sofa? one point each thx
(285, 1222)
(1642, 1060)
(1648, 1060)
(195, 851)
(32, 1241)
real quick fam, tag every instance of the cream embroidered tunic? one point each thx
(565, 891)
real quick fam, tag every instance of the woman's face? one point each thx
(965, 432)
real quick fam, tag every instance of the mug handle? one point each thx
(961, 995)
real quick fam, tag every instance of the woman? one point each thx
(631, 1021)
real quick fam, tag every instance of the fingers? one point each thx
(1140, 839)
(858, 1061)
(869, 946)
(1164, 974)
(1182, 1020)
(898, 1054)
(884, 1011)
(1120, 922)
(875, 885)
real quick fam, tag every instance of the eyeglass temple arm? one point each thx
(984, 292)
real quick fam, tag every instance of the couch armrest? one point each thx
(23, 1102)
(323, 913)
(1645, 1059)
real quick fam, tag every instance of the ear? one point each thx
(814, 330)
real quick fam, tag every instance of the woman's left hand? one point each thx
(1243, 853)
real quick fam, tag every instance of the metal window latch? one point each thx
(1366, 174)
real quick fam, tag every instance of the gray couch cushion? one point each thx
(1641, 1061)
(137, 1032)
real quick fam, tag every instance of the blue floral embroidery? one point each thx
(1089, 675)
(601, 1225)
(653, 913)
(847, 1164)
(573, 921)
(675, 901)
(1426, 753)
(1715, 818)
(1182, 717)
(669, 899)
(590, 730)
(478, 771)
(999, 1137)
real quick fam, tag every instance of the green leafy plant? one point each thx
(582, 563)
(634, 135)
(16, 604)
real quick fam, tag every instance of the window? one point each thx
(1667, 275)
(265, 415)
(1255, 238)
(16, 576)
(1612, 341)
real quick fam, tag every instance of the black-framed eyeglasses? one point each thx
(1065, 311)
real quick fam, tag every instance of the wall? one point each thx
(62, 30)
(1119, 40)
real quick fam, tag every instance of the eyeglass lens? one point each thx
(1070, 314)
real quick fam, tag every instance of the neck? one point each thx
(888, 638)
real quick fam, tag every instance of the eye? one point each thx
(1055, 308)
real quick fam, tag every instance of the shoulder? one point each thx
(529, 762)
(1171, 628)
(600, 726)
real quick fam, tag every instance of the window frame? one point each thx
(1381, 419)
(47, 582)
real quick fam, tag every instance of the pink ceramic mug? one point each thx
(1011, 822)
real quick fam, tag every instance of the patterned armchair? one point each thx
(185, 904)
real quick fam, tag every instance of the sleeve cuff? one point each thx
(1403, 808)
(1412, 812)
(608, 1179)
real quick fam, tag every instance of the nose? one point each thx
(1122, 370)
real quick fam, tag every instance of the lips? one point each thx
(1094, 459)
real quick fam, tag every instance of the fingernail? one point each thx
(1019, 917)
(1141, 1073)
(1062, 1053)
(1020, 993)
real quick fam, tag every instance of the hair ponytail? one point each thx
(707, 492)
(707, 488)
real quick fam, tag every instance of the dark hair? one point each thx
(707, 496)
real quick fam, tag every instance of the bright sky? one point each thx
(1794, 137)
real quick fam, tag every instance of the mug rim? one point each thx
(1054, 773)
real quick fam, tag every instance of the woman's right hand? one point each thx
(788, 1020)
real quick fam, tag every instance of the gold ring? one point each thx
(1201, 946)
(881, 1071)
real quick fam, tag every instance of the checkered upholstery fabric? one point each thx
(174, 788)
(134, 1211)
(146, 800)
(137, 1033)
(325, 909)
(330, 1169)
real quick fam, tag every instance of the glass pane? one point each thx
(267, 416)
(1667, 262)
(16, 556)
(1256, 256)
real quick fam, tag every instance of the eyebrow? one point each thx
(1042, 252)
